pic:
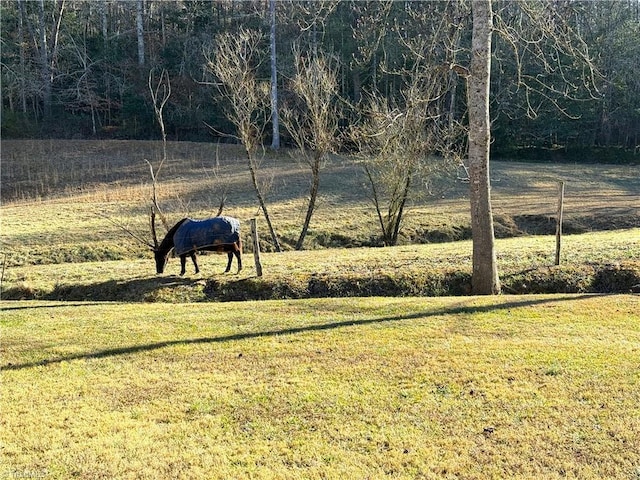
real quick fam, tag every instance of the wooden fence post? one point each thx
(4, 264)
(559, 222)
(256, 246)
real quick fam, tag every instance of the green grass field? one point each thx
(509, 387)
(110, 371)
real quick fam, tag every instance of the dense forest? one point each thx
(84, 68)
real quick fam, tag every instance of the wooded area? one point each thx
(81, 69)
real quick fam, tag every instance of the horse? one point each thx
(217, 234)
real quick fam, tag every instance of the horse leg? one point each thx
(183, 264)
(238, 254)
(194, 258)
(230, 259)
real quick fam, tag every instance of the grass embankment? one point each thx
(422, 270)
(509, 387)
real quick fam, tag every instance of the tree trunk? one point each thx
(275, 142)
(485, 279)
(104, 22)
(261, 202)
(45, 71)
(48, 53)
(140, 32)
(313, 194)
(400, 210)
(23, 71)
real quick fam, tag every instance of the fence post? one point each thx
(559, 223)
(256, 246)
(4, 264)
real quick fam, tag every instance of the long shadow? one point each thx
(462, 309)
(19, 306)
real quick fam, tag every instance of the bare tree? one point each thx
(553, 64)
(160, 93)
(403, 133)
(22, 71)
(313, 121)
(234, 61)
(380, 139)
(542, 38)
(408, 132)
(83, 92)
(49, 51)
(393, 143)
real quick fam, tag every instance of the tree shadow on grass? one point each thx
(27, 306)
(456, 310)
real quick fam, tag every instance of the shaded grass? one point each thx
(533, 387)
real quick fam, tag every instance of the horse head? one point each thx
(161, 260)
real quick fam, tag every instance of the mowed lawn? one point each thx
(504, 387)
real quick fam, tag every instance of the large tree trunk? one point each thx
(485, 279)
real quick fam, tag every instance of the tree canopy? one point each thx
(74, 68)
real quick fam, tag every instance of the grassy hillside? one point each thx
(64, 203)
(508, 387)
(77, 183)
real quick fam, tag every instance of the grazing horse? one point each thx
(218, 234)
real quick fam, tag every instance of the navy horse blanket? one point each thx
(198, 234)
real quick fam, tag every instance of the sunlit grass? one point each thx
(508, 387)
(526, 387)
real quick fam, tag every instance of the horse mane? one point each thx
(167, 241)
